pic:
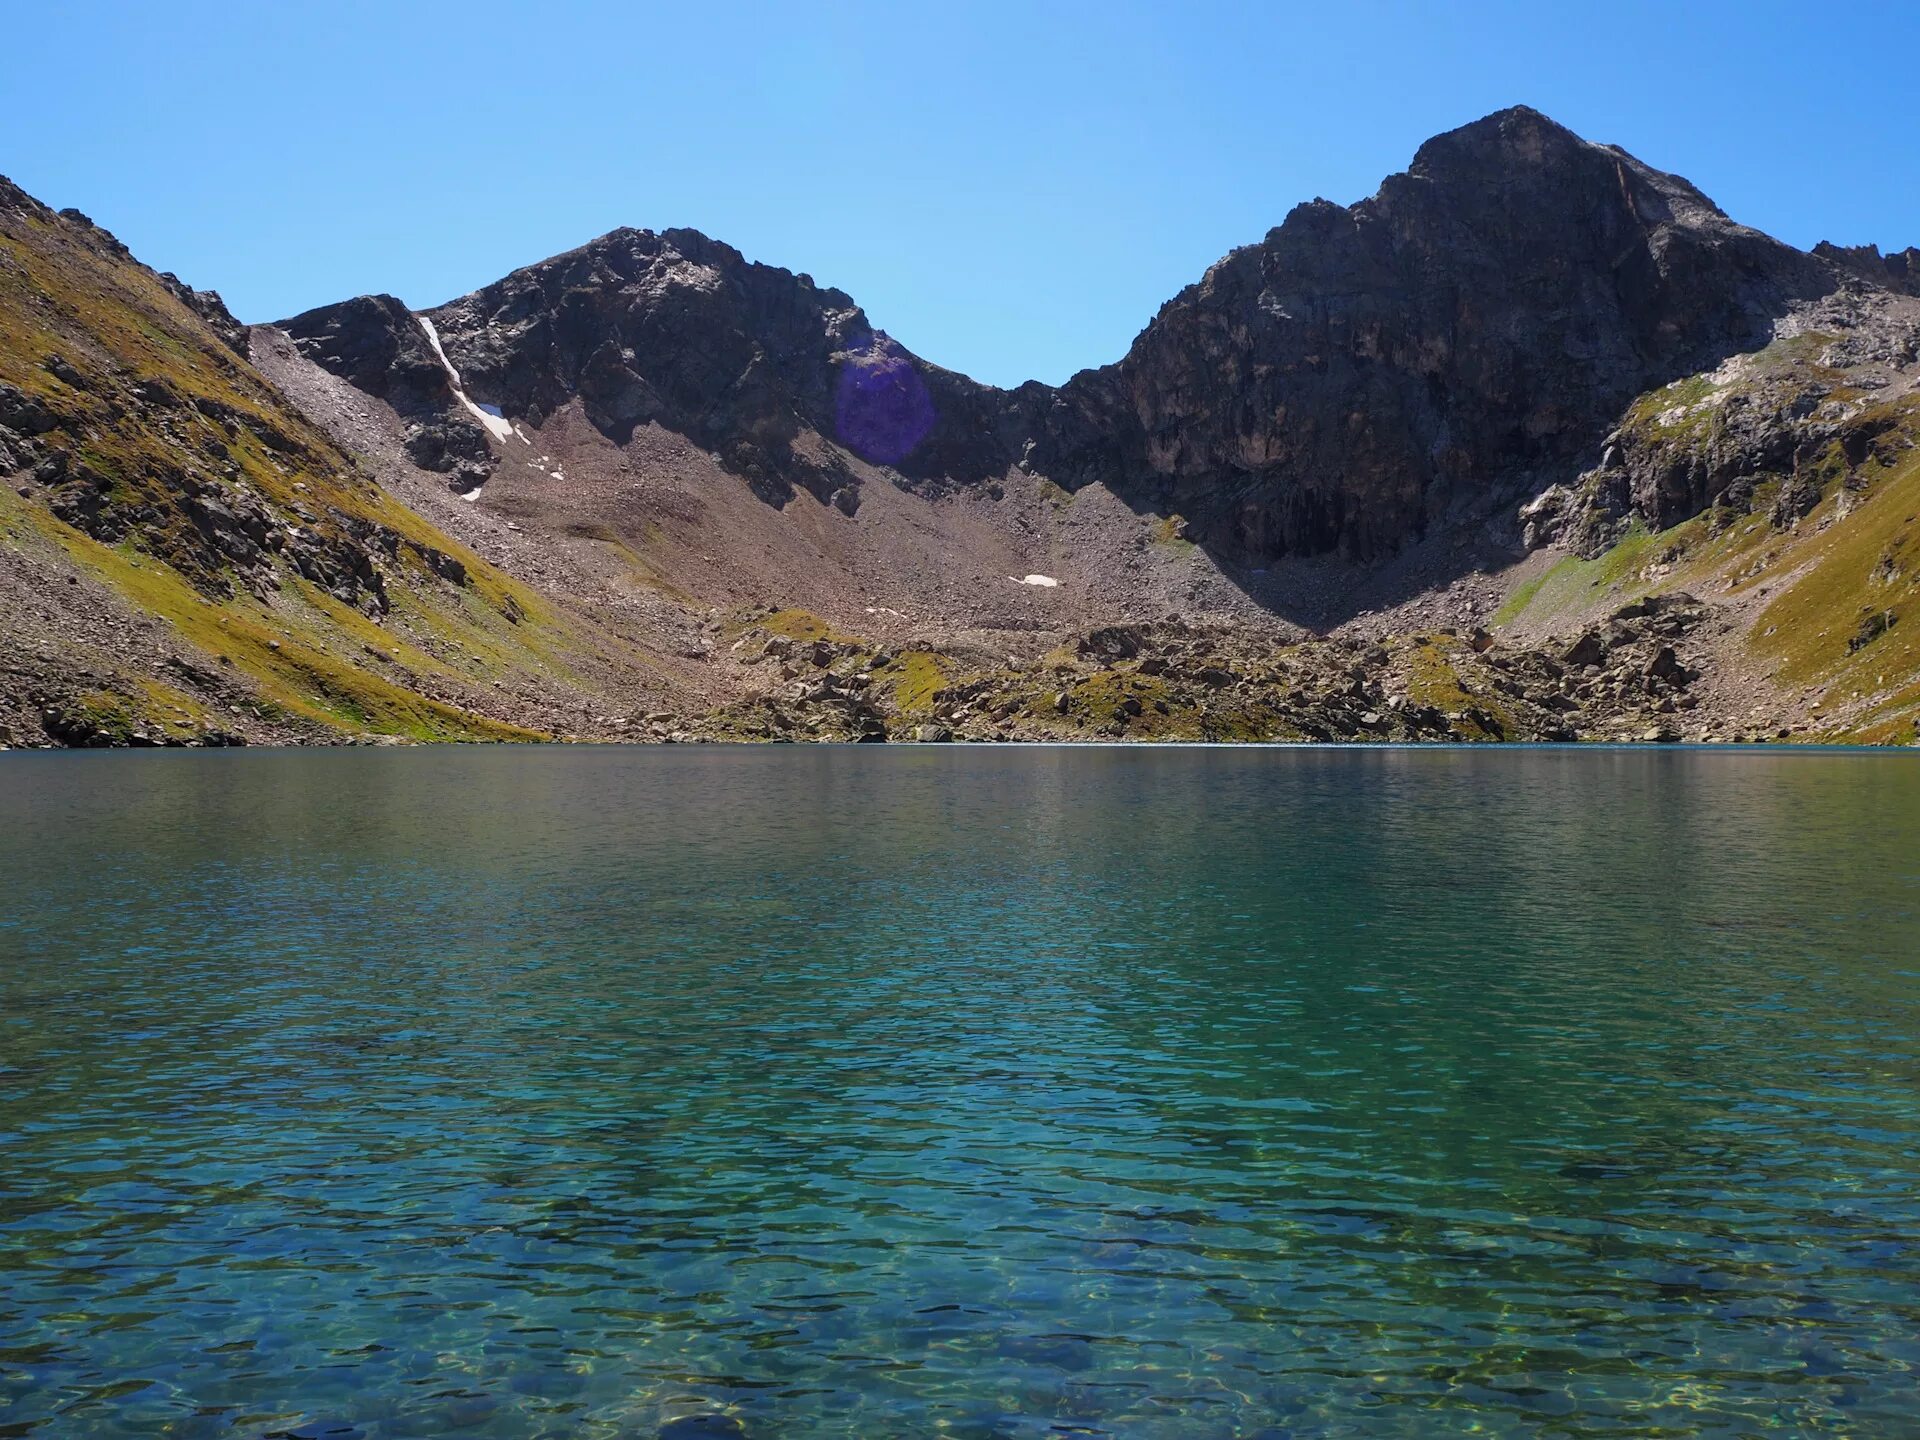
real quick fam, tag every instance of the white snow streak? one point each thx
(1044, 580)
(487, 415)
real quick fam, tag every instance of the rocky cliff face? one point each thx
(1349, 384)
(1773, 431)
(1899, 272)
(783, 379)
(1455, 340)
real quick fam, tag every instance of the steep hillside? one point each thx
(740, 435)
(1535, 443)
(1377, 383)
(1785, 486)
(187, 558)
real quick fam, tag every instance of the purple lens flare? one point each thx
(882, 409)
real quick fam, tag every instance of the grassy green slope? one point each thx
(1832, 601)
(149, 407)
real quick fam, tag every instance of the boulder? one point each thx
(1588, 649)
(1112, 642)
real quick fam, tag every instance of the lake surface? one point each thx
(963, 1091)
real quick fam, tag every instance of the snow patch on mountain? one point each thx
(488, 415)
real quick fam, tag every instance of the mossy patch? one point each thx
(915, 678)
(1518, 599)
(641, 569)
(1674, 410)
(144, 711)
(1058, 496)
(1851, 610)
(1170, 532)
(1433, 680)
(801, 625)
(1142, 707)
(1575, 587)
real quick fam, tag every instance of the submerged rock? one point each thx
(703, 1427)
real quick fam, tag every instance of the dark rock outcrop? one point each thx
(1898, 271)
(747, 360)
(1473, 327)
(208, 305)
(377, 345)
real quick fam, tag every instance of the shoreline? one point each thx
(1718, 747)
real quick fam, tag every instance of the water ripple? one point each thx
(984, 1093)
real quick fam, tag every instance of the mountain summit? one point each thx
(1532, 386)
(1367, 370)
(1343, 385)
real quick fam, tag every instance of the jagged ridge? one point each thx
(1347, 384)
(1368, 380)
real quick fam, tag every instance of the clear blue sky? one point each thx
(1009, 189)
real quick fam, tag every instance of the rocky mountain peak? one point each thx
(676, 329)
(1515, 156)
(378, 345)
(1369, 372)
(1362, 375)
(1514, 136)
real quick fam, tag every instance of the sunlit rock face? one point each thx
(1898, 271)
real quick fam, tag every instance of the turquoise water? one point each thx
(976, 1092)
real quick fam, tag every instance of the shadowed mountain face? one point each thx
(1366, 370)
(1347, 385)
